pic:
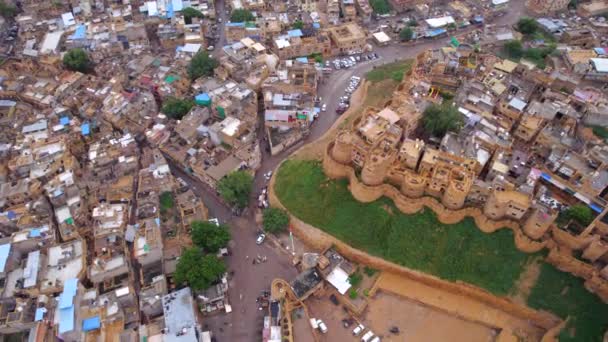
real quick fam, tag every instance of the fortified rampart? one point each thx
(559, 242)
(320, 240)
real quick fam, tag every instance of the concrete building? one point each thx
(347, 38)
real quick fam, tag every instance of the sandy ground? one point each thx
(417, 322)
(463, 307)
(301, 328)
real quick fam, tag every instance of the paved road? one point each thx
(245, 322)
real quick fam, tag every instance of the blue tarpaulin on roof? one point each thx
(35, 233)
(39, 315)
(85, 129)
(295, 33)
(64, 120)
(302, 60)
(66, 319)
(316, 25)
(169, 10)
(435, 32)
(80, 32)
(11, 215)
(91, 323)
(69, 291)
(4, 251)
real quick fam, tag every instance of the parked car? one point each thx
(324, 107)
(260, 239)
(322, 326)
(358, 330)
(367, 337)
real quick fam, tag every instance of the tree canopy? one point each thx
(197, 270)
(437, 120)
(513, 49)
(176, 108)
(6, 10)
(77, 60)
(190, 13)
(235, 188)
(298, 24)
(201, 65)
(241, 15)
(527, 25)
(210, 237)
(275, 220)
(579, 213)
(406, 34)
(380, 6)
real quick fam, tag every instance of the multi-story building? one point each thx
(295, 44)
(347, 38)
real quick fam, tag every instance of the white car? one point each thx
(260, 239)
(268, 175)
(324, 107)
(322, 326)
(358, 330)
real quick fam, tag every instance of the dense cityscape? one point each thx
(303, 170)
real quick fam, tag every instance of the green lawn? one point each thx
(452, 252)
(565, 295)
(166, 200)
(394, 71)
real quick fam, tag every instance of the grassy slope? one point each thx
(565, 295)
(452, 252)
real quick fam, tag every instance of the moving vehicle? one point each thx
(260, 239)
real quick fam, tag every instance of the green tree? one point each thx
(235, 188)
(275, 220)
(241, 15)
(513, 49)
(380, 6)
(406, 34)
(77, 60)
(210, 237)
(437, 120)
(579, 213)
(355, 279)
(452, 26)
(176, 108)
(201, 65)
(6, 10)
(527, 25)
(190, 13)
(197, 270)
(412, 22)
(298, 25)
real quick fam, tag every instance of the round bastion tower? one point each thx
(539, 222)
(343, 149)
(376, 167)
(454, 196)
(413, 185)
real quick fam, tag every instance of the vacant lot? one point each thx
(452, 252)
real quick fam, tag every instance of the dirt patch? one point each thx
(460, 307)
(526, 282)
(417, 322)
(388, 209)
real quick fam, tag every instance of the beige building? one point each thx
(347, 38)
